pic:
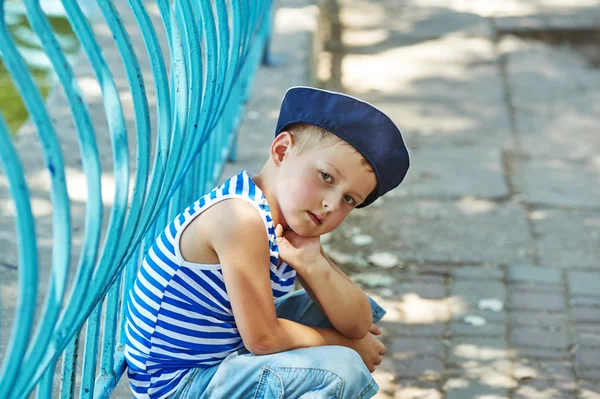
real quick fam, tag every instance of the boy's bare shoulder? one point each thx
(233, 211)
(234, 219)
(216, 228)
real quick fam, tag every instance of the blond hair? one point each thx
(308, 137)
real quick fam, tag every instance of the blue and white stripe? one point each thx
(178, 313)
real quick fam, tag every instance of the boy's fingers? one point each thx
(279, 234)
(375, 330)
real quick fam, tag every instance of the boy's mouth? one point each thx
(314, 219)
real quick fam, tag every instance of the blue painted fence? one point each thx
(215, 47)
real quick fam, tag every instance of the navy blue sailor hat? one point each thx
(366, 128)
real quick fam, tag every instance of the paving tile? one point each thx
(584, 300)
(465, 349)
(463, 231)
(587, 335)
(477, 273)
(407, 383)
(473, 291)
(583, 283)
(528, 274)
(587, 357)
(488, 315)
(497, 371)
(567, 238)
(458, 328)
(410, 347)
(534, 287)
(426, 273)
(418, 393)
(589, 390)
(430, 290)
(439, 173)
(420, 330)
(423, 368)
(538, 318)
(542, 353)
(461, 388)
(416, 310)
(587, 363)
(558, 374)
(557, 182)
(588, 373)
(542, 135)
(578, 16)
(533, 391)
(445, 112)
(583, 314)
(414, 389)
(537, 301)
(538, 338)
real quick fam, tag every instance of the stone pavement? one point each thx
(486, 257)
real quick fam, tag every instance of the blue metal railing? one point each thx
(214, 47)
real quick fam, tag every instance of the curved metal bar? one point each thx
(224, 47)
(244, 6)
(142, 114)
(69, 364)
(102, 280)
(60, 218)
(120, 159)
(211, 52)
(92, 333)
(118, 136)
(185, 18)
(110, 325)
(233, 55)
(28, 260)
(235, 60)
(179, 82)
(211, 61)
(91, 167)
(179, 66)
(44, 388)
(202, 10)
(164, 124)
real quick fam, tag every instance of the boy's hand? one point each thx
(297, 251)
(370, 349)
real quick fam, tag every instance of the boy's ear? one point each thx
(280, 147)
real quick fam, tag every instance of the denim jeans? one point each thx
(310, 373)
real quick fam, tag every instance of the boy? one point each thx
(208, 315)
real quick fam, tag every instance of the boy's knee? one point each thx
(340, 354)
(333, 371)
(345, 361)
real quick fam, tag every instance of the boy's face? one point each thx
(317, 189)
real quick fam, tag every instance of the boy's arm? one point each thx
(346, 306)
(239, 237)
(240, 241)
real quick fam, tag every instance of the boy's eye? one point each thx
(349, 199)
(326, 176)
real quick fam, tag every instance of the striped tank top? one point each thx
(178, 315)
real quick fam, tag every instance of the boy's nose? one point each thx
(330, 204)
